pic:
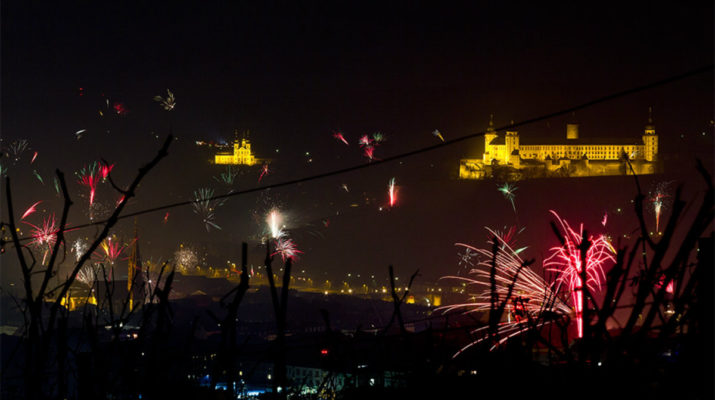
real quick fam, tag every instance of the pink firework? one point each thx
(111, 250)
(508, 236)
(45, 236)
(339, 136)
(89, 177)
(566, 261)
(104, 170)
(264, 171)
(34, 156)
(392, 192)
(31, 210)
(660, 201)
(658, 208)
(365, 140)
(120, 108)
(368, 144)
(369, 152)
(120, 200)
(287, 249)
(669, 288)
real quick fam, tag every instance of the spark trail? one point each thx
(392, 192)
(31, 210)
(339, 136)
(660, 201)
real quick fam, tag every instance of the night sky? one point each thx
(293, 74)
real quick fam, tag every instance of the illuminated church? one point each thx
(569, 156)
(241, 154)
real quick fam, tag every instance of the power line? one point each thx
(440, 145)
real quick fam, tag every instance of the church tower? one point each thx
(489, 135)
(650, 139)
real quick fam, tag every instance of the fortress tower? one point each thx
(650, 139)
(489, 136)
(512, 148)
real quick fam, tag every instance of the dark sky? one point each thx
(292, 74)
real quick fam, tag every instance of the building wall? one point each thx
(576, 152)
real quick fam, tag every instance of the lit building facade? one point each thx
(241, 155)
(571, 156)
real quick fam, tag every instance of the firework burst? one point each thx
(87, 275)
(79, 247)
(274, 220)
(120, 108)
(205, 206)
(89, 176)
(508, 235)
(660, 200)
(368, 144)
(465, 258)
(287, 249)
(111, 250)
(227, 177)
(284, 246)
(185, 259)
(44, 236)
(507, 189)
(16, 148)
(566, 261)
(167, 103)
(104, 170)
(529, 298)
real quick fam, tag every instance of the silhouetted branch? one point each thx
(397, 301)
(60, 236)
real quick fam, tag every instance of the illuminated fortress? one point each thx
(506, 157)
